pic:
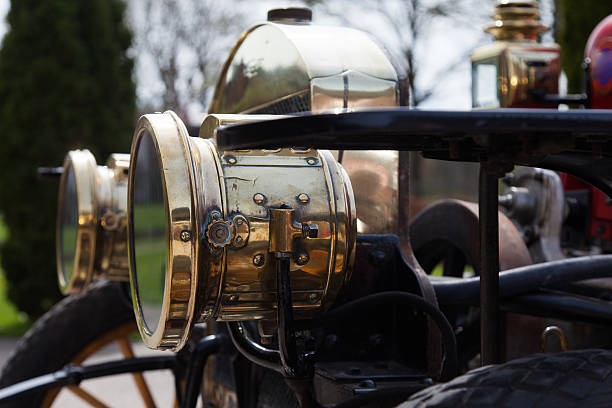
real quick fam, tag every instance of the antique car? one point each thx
(273, 252)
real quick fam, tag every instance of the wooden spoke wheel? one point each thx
(75, 329)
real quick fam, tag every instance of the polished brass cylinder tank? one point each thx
(291, 65)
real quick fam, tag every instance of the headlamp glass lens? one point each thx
(69, 223)
(149, 228)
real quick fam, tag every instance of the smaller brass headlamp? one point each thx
(91, 219)
(202, 238)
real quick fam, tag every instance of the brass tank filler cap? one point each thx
(516, 20)
(290, 15)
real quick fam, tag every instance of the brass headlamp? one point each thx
(202, 239)
(91, 219)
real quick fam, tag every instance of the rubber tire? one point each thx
(60, 334)
(274, 392)
(581, 378)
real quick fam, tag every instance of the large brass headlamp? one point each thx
(202, 239)
(91, 237)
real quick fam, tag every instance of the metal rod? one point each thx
(204, 348)
(253, 351)
(490, 338)
(286, 330)
(73, 375)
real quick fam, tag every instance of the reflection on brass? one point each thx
(516, 70)
(283, 68)
(241, 212)
(210, 124)
(99, 199)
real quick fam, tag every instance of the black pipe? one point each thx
(526, 279)
(563, 306)
(351, 309)
(199, 355)
(253, 351)
(490, 325)
(284, 311)
(73, 375)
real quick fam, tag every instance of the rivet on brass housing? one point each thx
(231, 159)
(312, 298)
(241, 231)
(258, 260)
(302, 258)
(110, 221)
(303, 198)
(311, 161)
(185, 236)
(232, 299)
(259, 198)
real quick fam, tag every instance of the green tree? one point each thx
(574, 22)
(65, 83)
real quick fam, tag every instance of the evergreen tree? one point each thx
(65, 83)
(574, 22)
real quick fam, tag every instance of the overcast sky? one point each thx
(4, 6)
(444, 42)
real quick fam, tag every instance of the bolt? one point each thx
(185, 236)
(312, 161)
(232, 299)
(231, 159)
(302, 258)
(258, 260)
(219, 233)
(259, 198)
(215, 215)
(238, 240)
(310, 230)
(353, 371)
(303, 198)
(239, 221)
(509, 179)
(367, 384)
(312, 298)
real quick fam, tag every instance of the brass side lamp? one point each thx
(516, 70)
(91, 237)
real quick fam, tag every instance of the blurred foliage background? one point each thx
(573, 24)
(75, 74)
(65, 83)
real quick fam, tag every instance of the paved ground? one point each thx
(117, 391)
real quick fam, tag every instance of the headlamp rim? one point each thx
(169, 134)
(84, 167)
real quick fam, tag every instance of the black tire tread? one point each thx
(572, 379)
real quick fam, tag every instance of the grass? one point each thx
(12, 322)
(468, 271)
